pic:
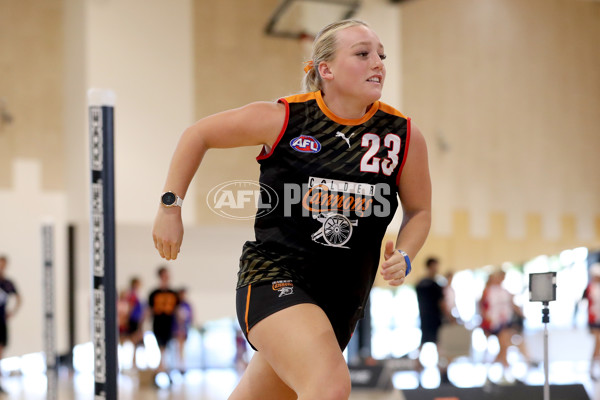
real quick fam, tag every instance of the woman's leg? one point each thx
(298, 353)
(504, 341)
(596, 352)
(259, 381)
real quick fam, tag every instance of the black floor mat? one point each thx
(497, 392)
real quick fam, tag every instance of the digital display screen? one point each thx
(542, 286)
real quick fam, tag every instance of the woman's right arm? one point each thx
(254, 124)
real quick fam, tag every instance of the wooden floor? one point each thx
(197, 385)
(568, 366)
(217, 384)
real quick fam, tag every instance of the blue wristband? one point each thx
(407, 260)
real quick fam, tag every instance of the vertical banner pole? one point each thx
(104, 307)
(48, 307)
(71, 293)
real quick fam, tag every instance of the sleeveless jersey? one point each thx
(336, 185)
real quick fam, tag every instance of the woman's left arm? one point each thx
(415, 196)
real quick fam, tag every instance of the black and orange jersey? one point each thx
(336, 185)
(163, 302)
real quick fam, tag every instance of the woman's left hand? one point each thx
(393, 269)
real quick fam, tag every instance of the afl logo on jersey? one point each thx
(305, 144)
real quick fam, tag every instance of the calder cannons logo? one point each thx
(330, 195)
(284, 288)
(242, 199)
(332, 202)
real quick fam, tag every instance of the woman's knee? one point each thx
(335, 385)
(339, 390)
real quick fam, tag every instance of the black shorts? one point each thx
(132, 327)
(256, 302)
(3, 334)
(429, 333)
(163, 331)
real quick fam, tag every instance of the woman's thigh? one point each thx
(300, 345)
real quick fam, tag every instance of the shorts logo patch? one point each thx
(284, 288)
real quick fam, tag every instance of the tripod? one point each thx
(542, 287)
(545, 321)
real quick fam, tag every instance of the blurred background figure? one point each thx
(241, 352)
(122, 316)
(591, 294)
(163, 302)
(184, 319)
(133, 330)
(502, 318)
(433, 312)
(450, 298)
(7, 290)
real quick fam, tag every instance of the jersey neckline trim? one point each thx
(344, 121)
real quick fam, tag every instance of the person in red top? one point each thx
(592, 295)
(498, 313)
(338, 159)
(136, 312)
(131, 312)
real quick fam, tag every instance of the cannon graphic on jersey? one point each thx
(335, 231)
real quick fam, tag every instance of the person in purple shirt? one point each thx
(184, 318)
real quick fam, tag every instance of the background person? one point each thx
(7, 290)
(184, 319)
(162, 303)
(136, 310)
(592, 295)
(501, 317)
(432, 311)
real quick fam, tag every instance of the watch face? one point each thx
(168, 199)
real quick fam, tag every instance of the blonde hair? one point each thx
(323, 49)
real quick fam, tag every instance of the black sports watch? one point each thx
(170, 199)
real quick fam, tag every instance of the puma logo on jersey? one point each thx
(305, 144)
(343, 136)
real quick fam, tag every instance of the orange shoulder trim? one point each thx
(299, 98)
(391, 110)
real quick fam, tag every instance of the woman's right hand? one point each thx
(168, 232)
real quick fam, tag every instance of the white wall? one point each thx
(385, 19)
(207, 265)
(24, 210)
(142, 50)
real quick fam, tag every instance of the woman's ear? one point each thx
(325, 71)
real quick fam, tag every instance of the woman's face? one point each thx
(357, 68)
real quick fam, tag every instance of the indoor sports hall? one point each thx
(95, 94)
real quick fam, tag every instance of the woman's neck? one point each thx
(345, 107)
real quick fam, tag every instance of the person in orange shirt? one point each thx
(163, 302)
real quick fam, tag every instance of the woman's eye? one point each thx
(362, 53)
(382, 56)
